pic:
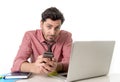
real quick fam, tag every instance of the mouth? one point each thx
(51, 37)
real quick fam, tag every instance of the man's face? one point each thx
(50, 29)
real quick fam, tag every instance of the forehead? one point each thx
(52, 22)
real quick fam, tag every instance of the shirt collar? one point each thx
(40, 36)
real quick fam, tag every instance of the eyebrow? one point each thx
(52, 25)
(49, 24)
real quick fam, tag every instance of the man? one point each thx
(35, 44)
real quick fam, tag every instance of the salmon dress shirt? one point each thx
(33, 45)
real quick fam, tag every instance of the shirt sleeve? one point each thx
(66, 51)
(23, 54)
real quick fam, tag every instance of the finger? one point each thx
(46, 60)
(46, 69)
(42, 60)
(52, 63)
(53, 59)
(40, 56)
(42, 70)
(39, 61)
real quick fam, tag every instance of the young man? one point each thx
(35, 44)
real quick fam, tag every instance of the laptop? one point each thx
(89, 59)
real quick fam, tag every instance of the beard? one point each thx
(50, 38)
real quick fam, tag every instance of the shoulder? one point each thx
(65, 33)
(64, 36)
(33, 32)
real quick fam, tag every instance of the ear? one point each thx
(41, 24)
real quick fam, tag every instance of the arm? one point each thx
(23, 54)
(38, 67)
(66, 50)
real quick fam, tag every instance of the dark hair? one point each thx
(53, 13)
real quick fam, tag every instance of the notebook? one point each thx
(17, 75)
(89, 59)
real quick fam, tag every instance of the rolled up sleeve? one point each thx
(23, 54)
(66, 52)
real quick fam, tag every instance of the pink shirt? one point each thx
(33, 45)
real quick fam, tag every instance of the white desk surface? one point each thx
(38, 78)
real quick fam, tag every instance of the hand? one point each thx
(51, 65)
(44, 65)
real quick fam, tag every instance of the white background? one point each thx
(86, 19)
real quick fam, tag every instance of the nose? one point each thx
(52, 32)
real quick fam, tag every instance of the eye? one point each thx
(49, 26)
(57, 28)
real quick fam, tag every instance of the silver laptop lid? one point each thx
(90, 59)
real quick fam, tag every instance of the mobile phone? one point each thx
(48, 55)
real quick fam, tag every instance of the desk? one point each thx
(38, 78)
